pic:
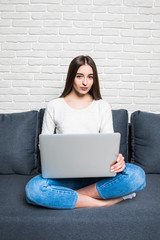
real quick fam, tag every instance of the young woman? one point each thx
(80, 109)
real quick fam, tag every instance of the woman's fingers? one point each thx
(119, 166)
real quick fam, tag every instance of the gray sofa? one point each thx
(19, 161)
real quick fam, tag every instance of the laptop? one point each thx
(78, 155)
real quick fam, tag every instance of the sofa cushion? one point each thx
(145, 141)
(18, 143)
(131, 219)
(120, 124)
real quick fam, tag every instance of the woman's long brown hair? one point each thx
(75, 64)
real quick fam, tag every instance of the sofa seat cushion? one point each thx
(145, 141)
(132, 219)
(19, 143)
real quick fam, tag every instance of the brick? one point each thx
(108, 17)
(148, 56)
(55, 84)
(155, 63)
(121, 55)
(49, 46)
(25, 83)
(46, 1)
(139, 49)
(5, 23)
(137, 18)
(135, 78)
(126, 93)
(74, 2)
(155, 93)
(88, 24)
(16, 46)
(156, 34)
(91, 9)
(119, 25)
(135, 63)
(14, 107)
(104, 32)
(12, 31)
(57, 23)
(66, 54)
(116, 40)
(156, 18)
(82, 39)
(144, 71)
(27, 23)
(138, 3)
(5, 84)
(15, 15)
(113, 92)
(61, 8)
(108, 48)
(118, 85)
(42, 62)
(107, 2)
(14, 91)
(149, 26)
(122, 10)
(136, 33)
(108, 63)
(46, 16)
(18, 76)
(43, 31)
(119, 70)
(150, 11)
(155, 109)
(78, 16)
(36, 54)
(73, 31)
(31, 8)
(5, 98)
(144, 41)
(25, 69)
(15, 1)
(43, 91)
(21, 39)
(5, 68)
(54, 70)
(7, 8)
(28, 98)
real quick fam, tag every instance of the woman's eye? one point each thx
(91, 77)
(79, 76)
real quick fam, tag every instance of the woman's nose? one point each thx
(84, 81)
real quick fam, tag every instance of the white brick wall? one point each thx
(39, 38)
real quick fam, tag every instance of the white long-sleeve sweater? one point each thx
(60, 117)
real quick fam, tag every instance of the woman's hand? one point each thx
(119, 166)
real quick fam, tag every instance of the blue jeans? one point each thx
(61, 194)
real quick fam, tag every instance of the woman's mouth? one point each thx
(84, 88)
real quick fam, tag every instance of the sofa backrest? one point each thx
(145, 141)
(19, 143)
(19, 139)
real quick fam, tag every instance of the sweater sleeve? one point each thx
(106, 122)
(48, 125)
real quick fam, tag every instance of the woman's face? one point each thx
(83, 80)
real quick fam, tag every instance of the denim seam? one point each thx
(110, 183)
(75, 201)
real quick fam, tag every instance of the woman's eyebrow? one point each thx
(80, 73)
(88, 74)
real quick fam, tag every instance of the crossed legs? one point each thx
(89, 197)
